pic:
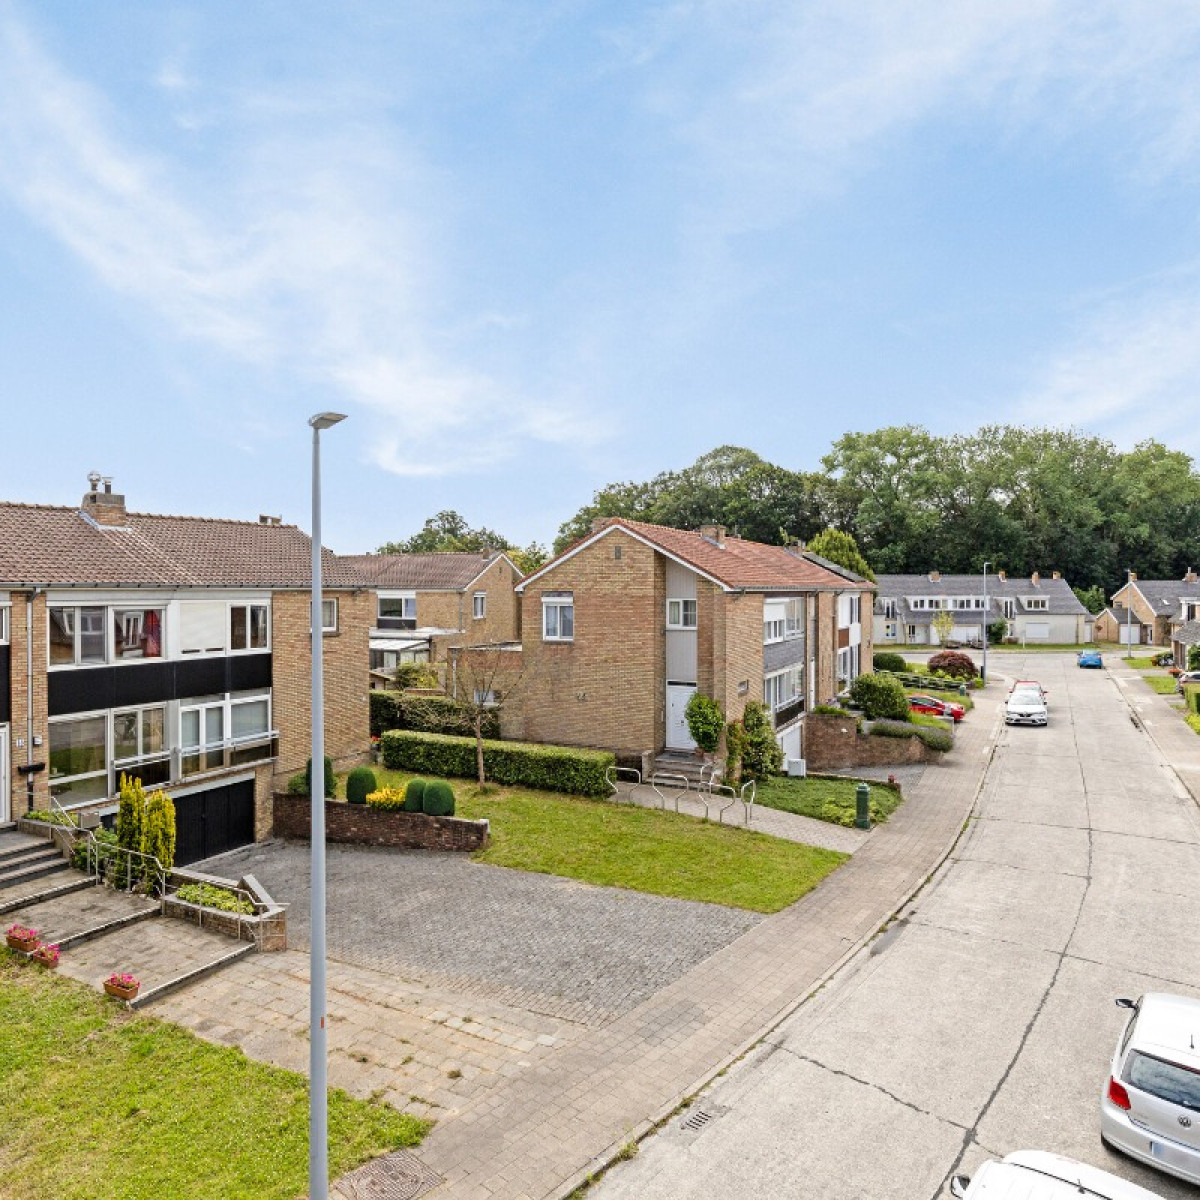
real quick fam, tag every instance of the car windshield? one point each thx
(1167, 1081)
(1026, 698)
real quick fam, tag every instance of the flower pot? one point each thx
(25, 945)
(121, 993)
(49, 961)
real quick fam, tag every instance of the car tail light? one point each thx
(1118, 1095)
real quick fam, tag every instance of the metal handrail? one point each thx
(55, 807)
(237, 890)
(102, 865)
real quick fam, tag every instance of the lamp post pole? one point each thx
(983, 673)
(1128, 612)
(318, 1115)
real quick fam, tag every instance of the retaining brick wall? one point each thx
(365, 826)
(831, 742)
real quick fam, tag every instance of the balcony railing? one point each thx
(787, 713)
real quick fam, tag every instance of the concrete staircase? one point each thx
(99, 930)
(682, 762)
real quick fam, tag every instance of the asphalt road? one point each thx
(983, 1021)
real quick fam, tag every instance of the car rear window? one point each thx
(1168, 1081)
(1026, 698)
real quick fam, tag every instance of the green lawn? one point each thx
(826, 799)
(1164, 685)
(1139, 664)
(645, 850)
(101, 1104)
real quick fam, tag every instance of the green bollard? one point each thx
(862, 795)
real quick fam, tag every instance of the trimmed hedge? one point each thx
(935, 739)
(884, 661)
(520, 764)
(879, 696)
(414, 795)
(426, 714)
(438, 799)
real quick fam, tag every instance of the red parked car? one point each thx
(937, 708)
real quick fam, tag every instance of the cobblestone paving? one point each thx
(552, 946)
(907, 777)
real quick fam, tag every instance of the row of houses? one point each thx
(177, 649)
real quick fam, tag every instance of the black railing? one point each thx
(788, 712)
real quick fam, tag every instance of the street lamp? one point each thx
(318, 1115)
(983, 672)
(1128, 612)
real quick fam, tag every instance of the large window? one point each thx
(223, 731)
(479, 605)
(137, 632)
(1035, 604)
(79, 759)
(247, 627)
(202, 737)
(783, 687)
(77, 636)
(398, 612)
(681, 614)
(795, 617)
(558, 617)
(140, 744)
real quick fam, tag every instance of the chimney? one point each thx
(1190, 577)
(105, 508)
(1002, 576)
(1056, 575)
(714, 534)
(935, 577)
(1035, 579)
(1133, 577)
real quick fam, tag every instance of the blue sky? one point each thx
(533, 248)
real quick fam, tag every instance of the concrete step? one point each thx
(81, 915)
(163, 954)
(687, 765)
(14, 845)
(32, 866)
(46, 887)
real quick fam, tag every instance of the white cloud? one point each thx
(313, 250)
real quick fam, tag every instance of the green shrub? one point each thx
(828, 710)
(953, 665)
(704, 721)
(359, 783)
(935, 739)
(158, 830)
(210, 896)
(383, 711)
(885, 661)
(521, 764)
(762, 755)
(879, 696)
(51, 816)
(893, 729)
(996, 631)
(426, 714)
(417, 675)
(389, 799)
(106, 840)
(330, 781)
(438, 799)
(1193, 658)
(298, 784)
(414, 795)
(735, 747)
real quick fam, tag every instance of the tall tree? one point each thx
(841, 548)
(449, 531)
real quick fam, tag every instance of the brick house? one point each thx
(622, 628)
(426, 603)
(173, 649)
(1157, 607)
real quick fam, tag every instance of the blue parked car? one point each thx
(1090, 658)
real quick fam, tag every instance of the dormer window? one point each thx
(1035, 603)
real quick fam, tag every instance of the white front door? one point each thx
(678, 737)
(4, 781)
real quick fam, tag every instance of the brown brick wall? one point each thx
(455, 610)
(346, 658)
(826, 632)
(831, 742)
(21, 701)
(740, 656)
(364, 826)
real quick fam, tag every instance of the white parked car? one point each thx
(1037, 1175)
(1024, 706)
(1150, 1108)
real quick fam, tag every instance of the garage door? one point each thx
(1037, 630)
(213, 821)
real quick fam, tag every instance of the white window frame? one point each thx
(77, 637)
(775, 687)
(406, 600)
(325, 626)
(479, 606)
(558, 604)
(774, 631)
(55, 781)
(123, 765)
(1036, 603)
(796, 615)
(1009, 608)
(6, 624)
(226, 704)
(889, 609)
(248, 648)
(678, 612)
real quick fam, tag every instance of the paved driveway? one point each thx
(549, 945)
(983, 1022)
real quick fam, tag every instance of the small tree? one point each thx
(158, 833)
(485, 678)
(996, 631)
(1193, 658)
(954, 664)
(130, 814)
(841, 548)
(762, 755)
(943, 625)
(704, 721)
(880, 696)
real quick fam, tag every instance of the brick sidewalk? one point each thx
(541, 1134)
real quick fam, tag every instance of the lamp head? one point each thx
(325, 420)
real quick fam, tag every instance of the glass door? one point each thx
(5, 809)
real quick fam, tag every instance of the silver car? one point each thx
(1024, 706)
(1037, 1175)
(1150, 1107)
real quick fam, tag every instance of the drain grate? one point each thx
(395, 1176)
(698, 1119)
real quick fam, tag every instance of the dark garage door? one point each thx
(213, 821)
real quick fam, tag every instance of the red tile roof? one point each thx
(443, 571)
(55, 546)
(738, 563)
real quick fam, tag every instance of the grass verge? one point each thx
(101, 1104)
(1164, 685)
(645, 850)
(1193, 719)
(1139, 664)
(832, 800)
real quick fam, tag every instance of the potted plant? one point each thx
(122, 985)
(46, 955)
(20, 937)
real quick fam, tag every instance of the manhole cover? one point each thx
(395, 1176)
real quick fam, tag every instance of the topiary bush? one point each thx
(953, 664)
(888, 662)
(330, 781)
(414, 795)
(360, 783)
(879, 696)
(521, 764)
(705, 721)
(762, 755)
(158, 831)
(438, 800)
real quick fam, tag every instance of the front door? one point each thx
(678, 695)
(4, 781)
